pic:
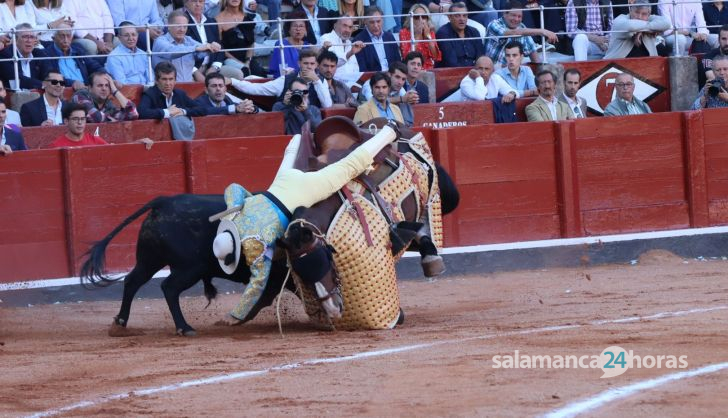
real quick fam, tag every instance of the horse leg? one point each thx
(179, 280)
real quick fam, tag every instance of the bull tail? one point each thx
(92, 270)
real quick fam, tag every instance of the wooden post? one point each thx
(695, 170)
(446, 157)
(72, 168)
(568, 181)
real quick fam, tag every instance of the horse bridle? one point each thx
(318, 243)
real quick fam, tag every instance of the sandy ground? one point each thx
(55, 356)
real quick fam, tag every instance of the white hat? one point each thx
(226, 244)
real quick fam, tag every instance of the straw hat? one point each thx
(226, 246)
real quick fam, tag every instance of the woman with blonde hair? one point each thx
(423, 34)
(50, 13)
(353, 8)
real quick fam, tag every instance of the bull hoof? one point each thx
(432, 265)
(116, 330)
(187, 333)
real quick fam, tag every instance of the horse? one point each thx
(176, 233)
(310, 253)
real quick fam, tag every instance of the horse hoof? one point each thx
(188, 333)
(432, 265)
(400, 320)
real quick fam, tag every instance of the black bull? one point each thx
(177, 233)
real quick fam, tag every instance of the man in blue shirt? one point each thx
(75, 68)
(518, 76)
(379, 106)
(127, 63)
(458, 52)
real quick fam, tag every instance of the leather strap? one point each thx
(359, 213)
(383, 205)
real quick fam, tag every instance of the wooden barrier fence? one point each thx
(520, 181)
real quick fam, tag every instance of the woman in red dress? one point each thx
(424, 33)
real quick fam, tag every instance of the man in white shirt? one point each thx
(339, 42)
(92, 14)
(482, 84)
(572, 81)
(685, 15)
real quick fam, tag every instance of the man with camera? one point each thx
(296, 109)
(715, 93)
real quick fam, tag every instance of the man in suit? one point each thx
(216, 101)
(458, 52)
(572, 81)
(10, 140)
(45, 110)
(163, 101)
(625, 103)
(381, 48)
(379, 106)
(317, 24)
(547, 106)
(30, 71)
(76, 70)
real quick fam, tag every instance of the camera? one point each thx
(714, 87)
(296, 97)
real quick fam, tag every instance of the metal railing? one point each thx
(16, 58)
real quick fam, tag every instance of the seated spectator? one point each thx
(714, 93)
(75, 67)
(340, 93)
(510, 26)
(30, 70)
(688, 14)
(296, 108)
(635, 34)
(163, 101)
(183, 51)
(404, 99)
(45, 110)
(216, 101)
(625, 103)
(204, 30)
(518, 76)
(455, 52)
(413, 61)
(139, 13)
(588, 27)
(424, 35)
(11, 117)
(482, 84)
(94, 25)
(128, 64)
(716, 15)
(547, 106)
(97, 100)
(49, 14)
(22, 12)
(482, 11)
(380, 49)
(572, 81)
(278, 87)
(165, 7)
(707, 61)
(379, 106)
(236, 27)
(292, 44)
(316, 19)
(339, 42)
(10, 139)
(74, 117)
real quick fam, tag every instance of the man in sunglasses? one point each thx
(45, 110)
(296, 108)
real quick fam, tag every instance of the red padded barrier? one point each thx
(631, 173)
(32, 225)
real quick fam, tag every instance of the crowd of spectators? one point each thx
(323, 47)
